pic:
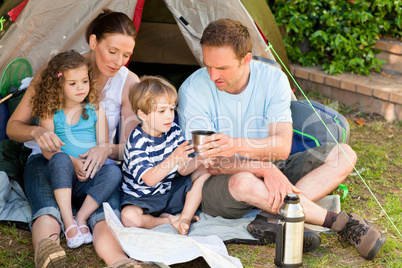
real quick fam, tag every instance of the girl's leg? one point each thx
(61, 174)
(94, 192)
(87, 208)
(63, 198)
(193, 200)
(133, 216)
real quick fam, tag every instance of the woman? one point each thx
(111, 39)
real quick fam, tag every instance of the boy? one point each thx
(155, 152)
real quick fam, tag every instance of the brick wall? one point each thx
(378, 93)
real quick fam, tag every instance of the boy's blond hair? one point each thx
(144, 95)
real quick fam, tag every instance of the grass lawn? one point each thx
(378, 145)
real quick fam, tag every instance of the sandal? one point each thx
(87, 236)
(75, 241)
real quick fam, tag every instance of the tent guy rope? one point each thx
(354, 167)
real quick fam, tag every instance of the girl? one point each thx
(67, 103)
(111, 40)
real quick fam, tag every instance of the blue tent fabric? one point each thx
(14, 206)
(229, 230)
(4, 115)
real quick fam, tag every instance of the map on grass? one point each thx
(151, 246)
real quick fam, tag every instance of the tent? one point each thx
(168, 35)
(168, 31)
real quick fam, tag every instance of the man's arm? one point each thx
(275, 147)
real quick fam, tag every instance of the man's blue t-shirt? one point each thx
(265, 100)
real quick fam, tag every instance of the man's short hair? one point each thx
(227, 32)
(144, 95)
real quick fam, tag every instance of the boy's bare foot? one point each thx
(183, 225)
(165, 215)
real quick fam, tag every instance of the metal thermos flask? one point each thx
(289, 233)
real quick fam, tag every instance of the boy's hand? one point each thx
(182, 151)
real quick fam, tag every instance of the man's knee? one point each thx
(241, 184)
(346, 152)
(350, 153)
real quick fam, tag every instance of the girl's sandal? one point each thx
(75, 241)
(87, 236)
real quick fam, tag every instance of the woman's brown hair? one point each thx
(48, 97)
(110, 22)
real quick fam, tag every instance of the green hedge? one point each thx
(338, 34)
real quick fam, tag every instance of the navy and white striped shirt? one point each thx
(143, 152)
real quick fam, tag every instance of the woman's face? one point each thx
(112, 52)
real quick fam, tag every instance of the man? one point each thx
(248, 104)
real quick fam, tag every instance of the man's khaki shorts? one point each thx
(217, 200)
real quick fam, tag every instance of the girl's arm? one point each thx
(77, 163)
(19, 128)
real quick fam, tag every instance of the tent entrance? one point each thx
(174, 73)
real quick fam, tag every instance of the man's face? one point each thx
(227, 72)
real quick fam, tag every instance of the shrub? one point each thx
(340, 35)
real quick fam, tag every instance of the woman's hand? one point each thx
(47, 140)
(94, 159)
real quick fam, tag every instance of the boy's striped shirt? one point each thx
(143, 152)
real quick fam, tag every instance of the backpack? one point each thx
(310, 132)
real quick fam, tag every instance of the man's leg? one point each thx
(326, 178)
(318, 171)
(245, 187)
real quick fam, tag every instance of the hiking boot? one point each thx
(131, 263)
(264, 229)
(366, 239)
(49, 254)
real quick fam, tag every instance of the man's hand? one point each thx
(278, 187)
(218, 145)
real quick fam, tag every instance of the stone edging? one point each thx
(378, 93)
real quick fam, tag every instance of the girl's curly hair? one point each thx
(48, 97)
